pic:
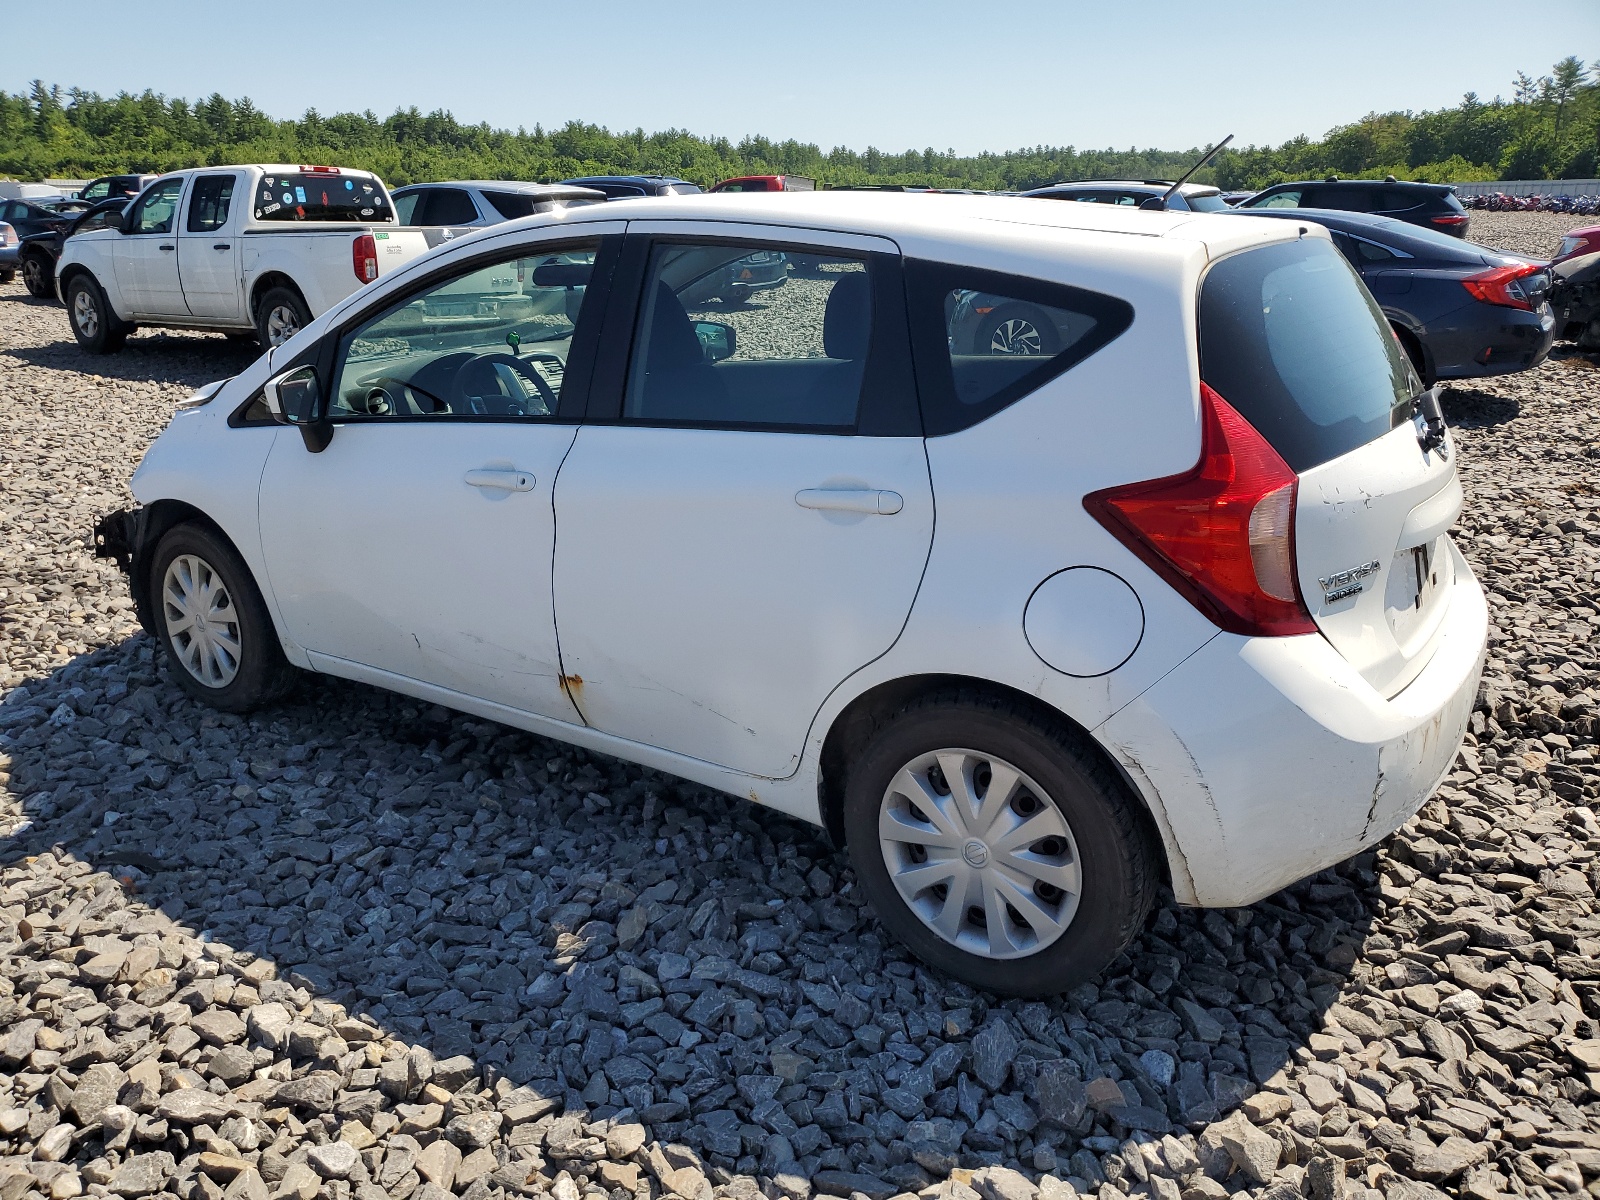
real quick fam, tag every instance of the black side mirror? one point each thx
(717, 341)
(295, 398)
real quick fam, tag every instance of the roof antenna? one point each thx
(1159, 203)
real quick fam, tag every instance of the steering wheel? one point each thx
(477, 378)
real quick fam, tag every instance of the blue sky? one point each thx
(972, 75)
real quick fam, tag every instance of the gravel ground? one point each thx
(1533, 234)
(354, 947)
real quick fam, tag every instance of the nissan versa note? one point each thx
(1189, 614)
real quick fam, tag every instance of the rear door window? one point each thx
(1291, 339)
(447, 206)
(984, 339)
(320, 196)
(209, 202)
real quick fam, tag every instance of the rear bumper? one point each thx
(1484, 339)
(1269, 759)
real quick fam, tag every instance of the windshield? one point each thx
(1292, 340)
(321, 196)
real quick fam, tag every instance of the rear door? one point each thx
(209, 252)
(1291, 339)
(745, 516)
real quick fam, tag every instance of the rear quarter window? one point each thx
(1291, 338)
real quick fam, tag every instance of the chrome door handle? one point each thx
(500, 481)
(856, 500)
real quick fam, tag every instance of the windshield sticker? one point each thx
(270, 181)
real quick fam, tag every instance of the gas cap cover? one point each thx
(1084, 621)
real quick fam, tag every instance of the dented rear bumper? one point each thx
(1270, 759)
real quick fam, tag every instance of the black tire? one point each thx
(1115, 848)
(261, 674)
(1019, 325)
(7, 275)
(96, 326)
(39, 277)
(277, 309)
(1414, 351)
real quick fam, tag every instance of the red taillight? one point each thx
(364, 257)
(1502, 285)
(1223, 533)
(1452, 221)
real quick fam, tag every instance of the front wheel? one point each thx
(997, 846)
(39, 277)
(220, 643)
(280, 315)
(98, 329)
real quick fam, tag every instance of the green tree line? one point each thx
(1549, 129)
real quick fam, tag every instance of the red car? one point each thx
(767, 183)
(1575, 294)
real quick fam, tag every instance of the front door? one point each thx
(147, 259)
(419, 542)
(209, 251)
(751, 522)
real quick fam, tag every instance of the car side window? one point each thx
(154, 211)
(97, 191)
(1289, 199)
(489, 344)
(1371, 252)
(405, 207)
(449, 206)
(726, 338)
(208, 203)
(984, 340)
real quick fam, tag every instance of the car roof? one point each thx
(1394, 183)
(1154, 186)
(628, 179)
(498, 185)
(935, 217)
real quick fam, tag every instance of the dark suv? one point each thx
(1431, 205)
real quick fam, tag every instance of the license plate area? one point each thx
(1419, 578)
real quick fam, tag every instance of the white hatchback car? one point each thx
(1163, 596)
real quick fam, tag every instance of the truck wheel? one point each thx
(221, 646)
(39, 277)
(98, 329)
(996, 845)
(280, 315)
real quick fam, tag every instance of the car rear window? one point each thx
(320, 196)
(1291, 339)
(1213, 203)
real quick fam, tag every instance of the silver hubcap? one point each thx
(85, 313)
(1016, 337)
(201, 620)
(979, 853)
(282, 324)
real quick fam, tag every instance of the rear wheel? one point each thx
(221, 646)
(280, 315)
(39, 277)
(98, 329)
(1415, 353)
(996, 845)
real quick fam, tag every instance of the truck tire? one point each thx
(98, 329)
(279, 316)
(210, 618)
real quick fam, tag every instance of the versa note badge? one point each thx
(1347, 582)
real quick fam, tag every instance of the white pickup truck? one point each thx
(253, 251)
